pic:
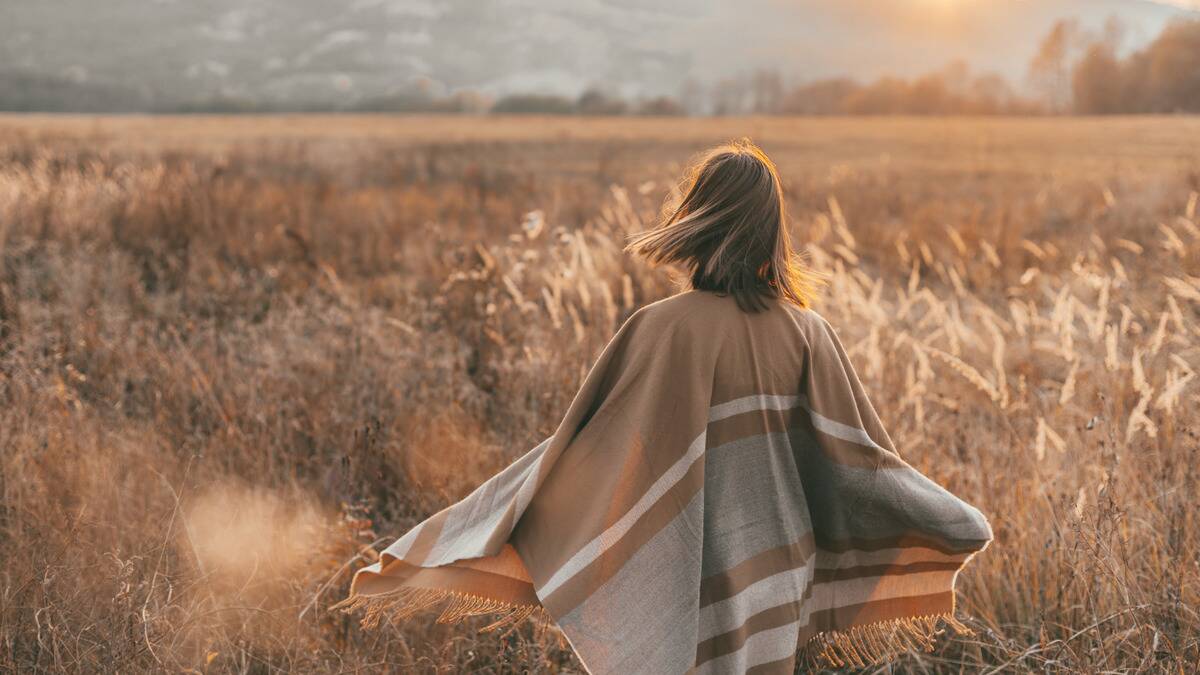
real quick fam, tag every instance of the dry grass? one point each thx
(234, 354)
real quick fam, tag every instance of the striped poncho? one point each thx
(720, 496)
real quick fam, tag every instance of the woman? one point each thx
(720, 495)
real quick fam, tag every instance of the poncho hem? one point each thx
(871, 644)
(406, 601)
(860, 646)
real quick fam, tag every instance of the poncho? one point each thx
(720, 495)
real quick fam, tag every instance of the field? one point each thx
(238, 355)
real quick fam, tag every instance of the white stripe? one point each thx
(596, 547)
(774, 402)
(730, 613)
(842, 431)
(465, 534)
(826, 595)
(752, 403)
(846, 592)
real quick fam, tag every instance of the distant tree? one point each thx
(928, 95)
(885, 96)
(766, 91)
(691, 96)
(991, 94)
(661, 106)
(956, 77)
(1114, 33)
(1050, 70)
(596, 102)
(950, 91)
(823, 97)
(403, 101)
(419, 99)
(731, 96)
(1172, 69)
(22, 91)
(1163, 77)
(534, 104)
(470, 101)
(1097, 83)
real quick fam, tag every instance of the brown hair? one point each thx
(730, 231)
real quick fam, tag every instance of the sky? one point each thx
(320, 50)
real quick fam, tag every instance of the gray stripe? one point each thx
(753, 500)
(637, 621)
(879, 502)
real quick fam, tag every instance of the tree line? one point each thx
(1073, 71)
(1089, 74)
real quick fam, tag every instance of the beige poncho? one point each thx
(720, 496)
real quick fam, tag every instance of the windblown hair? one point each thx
(730, 231)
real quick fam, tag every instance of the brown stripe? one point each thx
(822, 576)
(843, 618)
(729, 583)
(726, 584)
(834, 389)
(906, 540)
(727, 643)
(837, 618)
(506, 562)
(578, 588)
(784, 666)
(753, 423)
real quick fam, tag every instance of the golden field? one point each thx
(238, 355)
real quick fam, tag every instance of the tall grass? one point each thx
(231, 371)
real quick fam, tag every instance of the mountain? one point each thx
(296, 53)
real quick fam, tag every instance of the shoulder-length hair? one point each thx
(730, 231)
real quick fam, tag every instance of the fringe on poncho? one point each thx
(720, 496)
